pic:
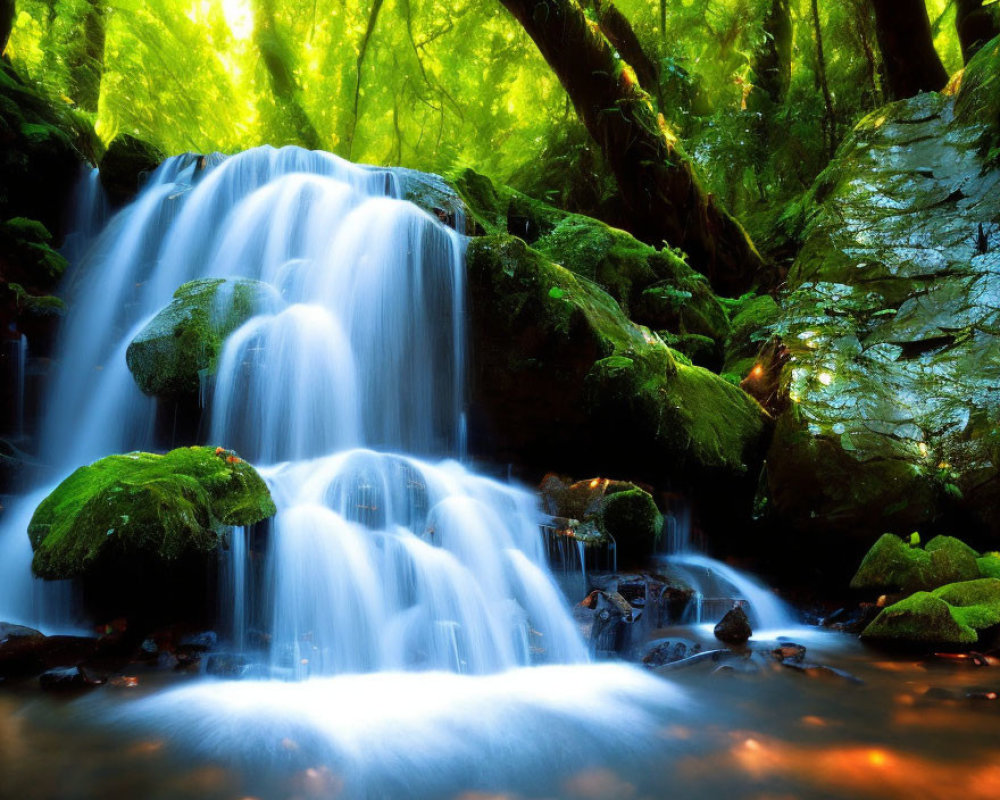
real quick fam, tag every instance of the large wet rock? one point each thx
(139, 509)
(562, 379)
(654, 287)
(893, 323)
(179, 347)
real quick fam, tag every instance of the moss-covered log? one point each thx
(657, 181)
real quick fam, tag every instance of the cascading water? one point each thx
(717, 585)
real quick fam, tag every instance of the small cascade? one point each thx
(717, 586)
(342, 386)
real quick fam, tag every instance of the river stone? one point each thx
(893, 321)
(734, 627)
(179, 347)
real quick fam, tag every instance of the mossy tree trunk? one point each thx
(285, 89)
(976, 26)
(910, 62)
(657, 182)
(6, 22)
(772, 77)
(85, 56)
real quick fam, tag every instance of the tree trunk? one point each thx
(85, 56)
(618, 30)
(829, 121)
(281, 76)
(976, 26)
(657, 181)
(6, 22)
(910, 61)
(772, 66)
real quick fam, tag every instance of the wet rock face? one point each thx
(893, 324)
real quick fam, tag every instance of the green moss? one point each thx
(180, 345)
(653, 287)
(951, 614)
(631, 517)
(141, 504)
(894, 565)
(549, 359)
(989, 565)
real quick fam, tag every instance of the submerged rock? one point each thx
(562, 378)
(894, 328)
(954, 614)
(179, 347)
(734, 627)
(142, 508)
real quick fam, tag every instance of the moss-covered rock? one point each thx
(751, 318)
(126, 165)
(179, 347)
(654, 287)
(894, 332)
(142, 506)
(562, 379)
(30, 269)
(894, 565)
(632, 518)
(952, 615)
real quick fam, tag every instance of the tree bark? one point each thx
(829, 119)
(772, 66)
(618, 30)
(910, 62)
(657, 182)
(976, 26)
(6, 22)
(281, 76)
(85, 56)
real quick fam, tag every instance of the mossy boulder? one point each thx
(751, 318)
(892, 324)
(561, 379)
(126, 165)
(142, 508)
(654, 287)
(178, 348)
(893, 565)
(599, 511)
(954, 615)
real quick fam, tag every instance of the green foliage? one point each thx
(434, 84)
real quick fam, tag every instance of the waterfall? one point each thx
(718, 586)
(344, 389)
